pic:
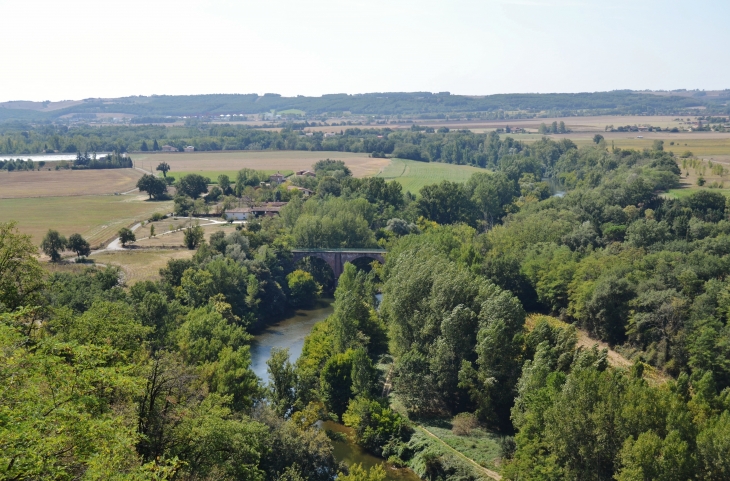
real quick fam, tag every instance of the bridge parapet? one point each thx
(336, 258)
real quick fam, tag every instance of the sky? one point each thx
(74, 49)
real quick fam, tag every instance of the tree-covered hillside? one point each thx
(384, 103)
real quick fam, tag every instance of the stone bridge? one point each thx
(336, 258)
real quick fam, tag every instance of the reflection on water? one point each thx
(350, 453)
(289, 333)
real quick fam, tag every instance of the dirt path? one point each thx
(487, 472)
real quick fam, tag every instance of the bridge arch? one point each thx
(336, 258)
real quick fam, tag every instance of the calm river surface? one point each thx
(290, 333)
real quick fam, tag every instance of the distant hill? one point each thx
(423, 104)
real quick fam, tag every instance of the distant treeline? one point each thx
(453, 147)
(114, 160)
(389, 103)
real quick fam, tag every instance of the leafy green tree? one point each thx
(58, 414)
(126, 236)
(156, 188)
(282, 389)
(144, 147)
(163, 167)
(53, 244)
(193, 185)
(224, 183)
(155, 146)
(375, 424)
(328, 186)
(21, 276)
(446, 203)
(303, 289)
(491, 194)
(193, 236)
(79, 245)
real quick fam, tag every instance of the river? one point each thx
(290, 333)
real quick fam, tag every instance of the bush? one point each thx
(463, 423)
(375, 425)
(157, 216)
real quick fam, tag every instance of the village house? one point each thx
(277, 179)
(305, 192)
(169, 148)
(189, 148)
(269, 209)
(307, 173)
(239, 213)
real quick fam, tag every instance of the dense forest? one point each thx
(384, 103)
(486, 288)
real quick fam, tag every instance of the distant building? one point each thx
(308, 173)
(269, 209)
(277, 178)
(169, 148)
(305, 192)
(189, 148)
(240, 213)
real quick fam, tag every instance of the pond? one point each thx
(290, 333)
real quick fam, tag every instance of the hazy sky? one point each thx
(75, 49)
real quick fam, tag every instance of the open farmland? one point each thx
(141, 265)
(56, 183)
(97, 218)
(214, 163)
(174, 239)
(413, 175)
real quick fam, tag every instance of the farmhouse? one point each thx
(269, 209)
(239, 213)
(305, 192)
(307, 173)
(189, 148)
(169, 148)
(277, 179)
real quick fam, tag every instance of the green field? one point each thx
(413, 175)
(682, 193)
(480, 445)
(96, 217)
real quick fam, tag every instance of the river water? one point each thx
(290, 333)
(46, 157)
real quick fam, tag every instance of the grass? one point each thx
(97, 218)
(480, 445)
(174, 239)
(141, 265)
(282, 160)
(413, 175)
(55, 183)
(701, 144)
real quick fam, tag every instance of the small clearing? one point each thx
(413, 175)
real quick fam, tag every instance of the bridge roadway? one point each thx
(336, 258)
